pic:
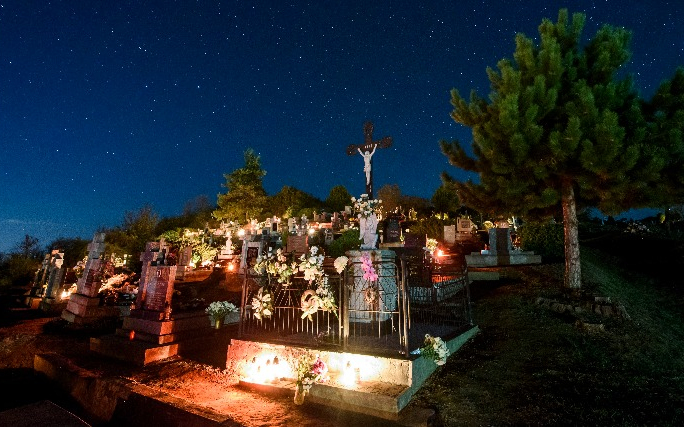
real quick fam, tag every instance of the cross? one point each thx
(367, 149)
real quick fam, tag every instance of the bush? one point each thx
(545, 239)
(348, 241)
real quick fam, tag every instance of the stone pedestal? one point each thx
(143, 340)
(83, 309)
(361, 299)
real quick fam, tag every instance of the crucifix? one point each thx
(367, 149)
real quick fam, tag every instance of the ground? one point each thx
(529, 365)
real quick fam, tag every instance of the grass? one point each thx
(533, 366)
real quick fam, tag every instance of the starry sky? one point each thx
(106, 106)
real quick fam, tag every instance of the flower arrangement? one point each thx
(366, 207)
(340, 263)
(220, 309)
(310, 370)
(431, 246)
(312, 265)
(435, 349)
(369, 272)
(275, 265)
(262, 304)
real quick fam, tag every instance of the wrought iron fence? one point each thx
(388, 316)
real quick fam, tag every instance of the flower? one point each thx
(435, 348)
(275, 265)
(219, 309)
(262, 304)
(431, 245)
(368, 269)
(310, 370)
(366, 207)
(321, 297)
(340, 263)
(312, 265)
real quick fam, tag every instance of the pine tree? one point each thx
(560, 132)
(245, 197)
(665, 117)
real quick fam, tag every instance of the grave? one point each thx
(52, 299)
(374, 385)
(184, 262)
(84, 304)
(152, 332)
(500, 252)
(297, 244)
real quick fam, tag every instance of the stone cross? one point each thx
(367, 149)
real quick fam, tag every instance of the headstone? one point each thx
(412, 240)
(250, 252)
(297, 244)
(89, 284)
(84, 304)
(52, 299)
(292, 225)
(450, 234)
(464, 225)
(328, 236)
(392, 231)
(35, 295)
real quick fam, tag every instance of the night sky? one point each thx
(108, 105)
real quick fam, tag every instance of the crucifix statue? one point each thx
(367, 149)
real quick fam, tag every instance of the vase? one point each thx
(300, 394)
(217, 323)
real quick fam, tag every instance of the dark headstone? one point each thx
(392, 230)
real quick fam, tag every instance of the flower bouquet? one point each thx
(276, 266)
(262, 304)
(365, 207)
(434, 349)
(218, 310)
(310, 370)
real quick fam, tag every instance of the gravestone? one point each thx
(292, 225)
(501, 252)
(35, 294)
(328, 236)
(464, 225)
(84, 304)
(184, 261)
(450, 234)
(250, 252)
(52, 300)
(152, 332)
(297, 244)
(392, 230)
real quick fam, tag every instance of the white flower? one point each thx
(341, 263)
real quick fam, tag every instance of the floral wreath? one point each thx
(276, 266)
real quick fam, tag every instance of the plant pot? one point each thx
(217, 323)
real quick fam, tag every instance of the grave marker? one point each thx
(367, 149)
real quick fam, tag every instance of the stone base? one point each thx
(379, 386)
(53, 305)
(82, 309)
(476, 259)
(33, 302)
(143, 341)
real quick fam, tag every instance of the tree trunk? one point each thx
(573, 270)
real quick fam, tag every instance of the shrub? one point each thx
(544, 238)
(348, 241)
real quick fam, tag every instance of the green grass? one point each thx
(532, 366)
